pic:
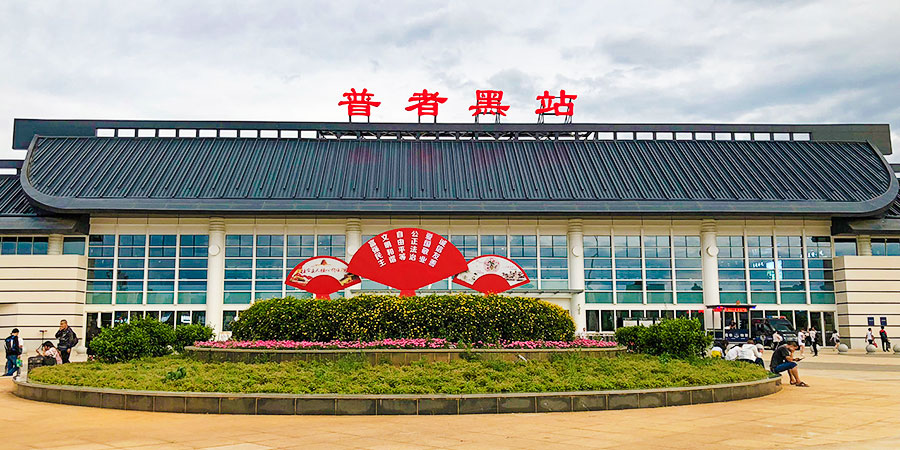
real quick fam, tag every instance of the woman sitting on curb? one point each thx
(47, 350)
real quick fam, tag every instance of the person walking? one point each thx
(14, 349)
(67, 340)
(836, 339)
(801, 340)
(885, 343)
(776, 340)
(870, 338)
(814, 340)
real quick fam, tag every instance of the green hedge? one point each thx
(141, 338)
(458, 317)
(679, 338)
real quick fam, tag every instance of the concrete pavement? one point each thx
(853, 402)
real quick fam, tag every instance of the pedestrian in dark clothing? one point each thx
(14, 350)
(885, 343)
(67, 340)
(814, 337)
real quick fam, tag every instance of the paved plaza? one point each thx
(854, 402)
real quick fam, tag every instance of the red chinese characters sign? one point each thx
(488, 102)
(407, 259)
(492, 274)
(426, 103)
(321, 275)
(359, 103)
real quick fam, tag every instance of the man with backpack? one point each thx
(14, 349)
(885, 342)
(67, 340)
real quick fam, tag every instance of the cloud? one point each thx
(652, 61)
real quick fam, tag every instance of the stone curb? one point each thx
(392, 356)
(408, 404)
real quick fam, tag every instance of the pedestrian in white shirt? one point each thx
(749, 353)
(836, 338)
(801, 340)
(732, 353)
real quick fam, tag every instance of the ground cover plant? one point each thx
(353, 376)
(403, 344)
(368, 317)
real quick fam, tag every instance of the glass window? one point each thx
(23, 245)
(628, 277)
(130, 269)
(732, 275)
(554, 262)
(658, 269)
(331, 245)
(598, 279)
(523, 250)
(607, 321)
(761, 261)
(821, 270)
(269, 271)
(592, 320)
(845, 247)
(239, 266)
(886, 247)
(688, 271)
(101, 251)
(228, 319)
(162, 252)
(73, 246)
(192, 264)
(299, 248)
(494, 245)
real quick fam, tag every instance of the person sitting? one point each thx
(48, 351)
(733, 353)
(750, 353)
(718, 350)
(783, 360)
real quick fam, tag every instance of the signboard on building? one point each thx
(321, 275)
(491, 274)
(407, 259)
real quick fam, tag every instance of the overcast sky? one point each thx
(643, 61)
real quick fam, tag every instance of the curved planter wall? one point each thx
(393, 356)
(326, 404)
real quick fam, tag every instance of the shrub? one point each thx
(137, 339)
(458, 317)
(678, 338)
(186, 335)
(630, 337)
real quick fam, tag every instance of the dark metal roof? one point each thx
(894, 210)
(13, 201)
(18, 216)
(237, 175)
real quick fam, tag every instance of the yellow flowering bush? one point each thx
(455, 317)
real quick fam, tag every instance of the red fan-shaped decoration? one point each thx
(491, 274)
(321, 275)
(407, 259)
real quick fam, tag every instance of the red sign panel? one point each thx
(492, 274)
(407, 259)
(321, 275)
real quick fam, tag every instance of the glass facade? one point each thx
(658, 269)
(134, 269)
(821, 269)
(23, 245)
(688, 274)
(554, 262)
(886, 247)
(598, 279)
(761, 264)
(732, 270)
(629, 283)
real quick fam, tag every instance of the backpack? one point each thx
(12, 345)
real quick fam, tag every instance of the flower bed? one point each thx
(403, 344)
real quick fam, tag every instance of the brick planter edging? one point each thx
(410, 404)
(388, 355)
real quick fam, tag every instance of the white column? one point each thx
(575, 238)
(215, 281)
(864, 245)
(353, 238)
(55, 244)
(709, 253)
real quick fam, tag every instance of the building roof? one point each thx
(17, 215)
(278, 175)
